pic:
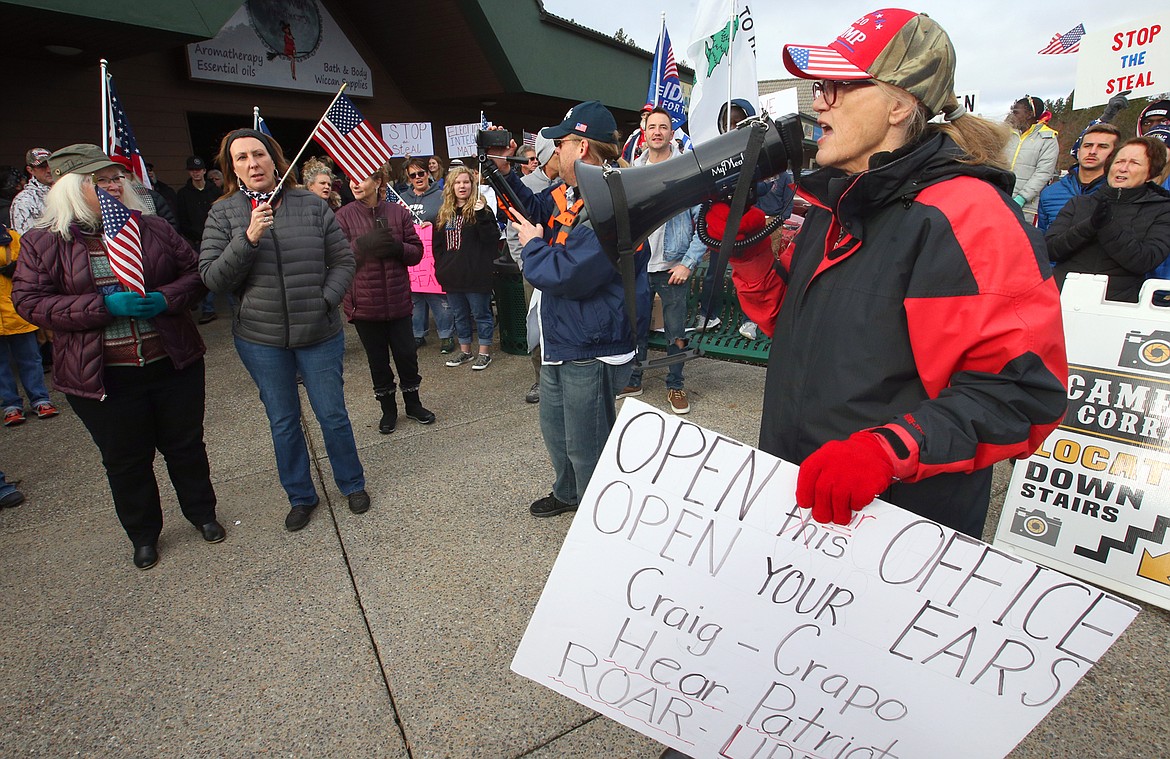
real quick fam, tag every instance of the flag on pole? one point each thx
(120, 137)
(665, 88)
(530, 140)
(725, 64)
(1069, 42)
(260, 125)
(122, 242)
(394, 197)
(350, 140)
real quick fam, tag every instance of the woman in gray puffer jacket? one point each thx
(282, 253)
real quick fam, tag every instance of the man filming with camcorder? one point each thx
(586, 338)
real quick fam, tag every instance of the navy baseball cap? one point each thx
(589, 119)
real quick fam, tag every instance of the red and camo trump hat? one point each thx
(899, 47)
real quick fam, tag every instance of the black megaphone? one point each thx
(657, 192)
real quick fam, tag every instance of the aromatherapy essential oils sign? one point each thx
(694, 602)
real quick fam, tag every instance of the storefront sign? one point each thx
(291, 44)
(694, 602)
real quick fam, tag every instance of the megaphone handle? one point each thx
(735, 215)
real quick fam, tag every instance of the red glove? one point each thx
(753, 221)
(843, 476)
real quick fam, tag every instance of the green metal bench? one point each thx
(723, 342)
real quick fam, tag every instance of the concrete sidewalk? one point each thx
(386, 634)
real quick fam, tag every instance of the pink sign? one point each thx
(422, 276)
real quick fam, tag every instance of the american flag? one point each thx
(665, 89)
(530, 140)
(350, 141)
(1069, 42)
(823, 62)
(120, 140)
(123, 242)
(394, 197)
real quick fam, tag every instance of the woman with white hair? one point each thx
(131, 366)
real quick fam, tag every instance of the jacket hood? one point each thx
(902, 173)
(410, 194)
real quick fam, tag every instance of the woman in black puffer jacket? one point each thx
(1123, 229)
(378, 302)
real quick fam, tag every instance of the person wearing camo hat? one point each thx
(30, 202)
(926, 344)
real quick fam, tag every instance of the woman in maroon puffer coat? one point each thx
(384, 243)
(131, 366)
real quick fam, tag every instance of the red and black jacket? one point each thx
(920, 305)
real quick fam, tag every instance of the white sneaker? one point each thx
(749, 330)
(710, 326)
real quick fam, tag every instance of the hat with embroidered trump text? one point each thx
(589, 119)
(899, 47)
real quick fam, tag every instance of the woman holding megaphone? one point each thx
(921, 338)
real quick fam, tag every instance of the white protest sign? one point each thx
(1131, 56)
(461, 140)
(779, 103)
(692, 601)
(1094, 501)
(409, 138)
(969, 99)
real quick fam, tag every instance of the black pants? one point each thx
(155, 407)
(383, 338)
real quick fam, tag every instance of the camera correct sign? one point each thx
(1094, 501)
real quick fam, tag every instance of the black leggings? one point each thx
(383, 338)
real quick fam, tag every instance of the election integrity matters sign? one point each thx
(1094, 501)
(693, 601)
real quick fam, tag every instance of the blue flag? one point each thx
(665, 89)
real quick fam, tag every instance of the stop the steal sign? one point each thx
(694, 602)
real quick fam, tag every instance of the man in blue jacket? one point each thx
(1097, 146)
(586, 340)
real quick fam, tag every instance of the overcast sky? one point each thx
(995, 40)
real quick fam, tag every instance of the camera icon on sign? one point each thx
(1150, 351)
(1037, 525)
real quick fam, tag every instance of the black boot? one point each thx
(414, 409)
(389, 420)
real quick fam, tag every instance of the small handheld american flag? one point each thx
(123, 243)
(351, 141)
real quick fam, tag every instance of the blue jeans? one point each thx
(465, 307)
(674, 320)
(576, 414)
(207, 305)
(6, 488)
(437, 303)
(274, 370)
(26, 354)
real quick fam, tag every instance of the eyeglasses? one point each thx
(830, 89)
(534, 159)
(104, 182)
(561, 141)
(417, 174)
